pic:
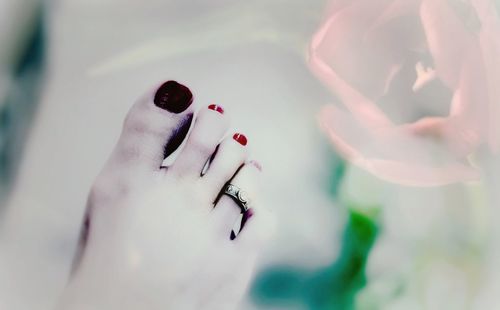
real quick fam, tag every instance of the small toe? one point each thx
(209, 128)
(257, 227)
(227, 209)
(154, 127)
(228, 158)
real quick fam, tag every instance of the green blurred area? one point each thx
(335, 286)
(20, 101)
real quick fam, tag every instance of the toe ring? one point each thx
(239, 196)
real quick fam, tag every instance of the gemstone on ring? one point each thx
(243, 196)
(230, 188)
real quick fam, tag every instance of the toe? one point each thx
(227, 210)
(228, 158)
(209, 128)
(257, 227)
(155, 126)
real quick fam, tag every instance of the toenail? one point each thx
(216, 108)
(240, 138)
(173, 97)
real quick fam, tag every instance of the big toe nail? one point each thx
(173, 97)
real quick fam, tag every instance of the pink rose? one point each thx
(420, 83)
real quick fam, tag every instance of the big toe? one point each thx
(155, 127)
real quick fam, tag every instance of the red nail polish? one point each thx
(240, 138)
(216, 108)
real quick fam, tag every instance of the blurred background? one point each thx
(376, 123)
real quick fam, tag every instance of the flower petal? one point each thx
(343, 45)
(489, 40)
(447, 39)
(358, 104)
(393, 154)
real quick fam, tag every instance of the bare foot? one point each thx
(161, 237)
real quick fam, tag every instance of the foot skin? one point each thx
(161, 237)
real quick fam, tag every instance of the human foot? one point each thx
(161, 237)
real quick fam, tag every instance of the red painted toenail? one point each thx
(216, 108)
(240, 138)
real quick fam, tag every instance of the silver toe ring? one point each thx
(239, 196)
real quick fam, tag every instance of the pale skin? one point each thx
(155, 238)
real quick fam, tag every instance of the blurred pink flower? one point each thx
(420, 83)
